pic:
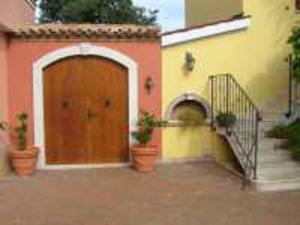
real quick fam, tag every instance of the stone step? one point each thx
(267, 143)
(277, 156)
(279, 102)
(277, 161)
(279, 171)
(270, 143)
(273, 115)
(279, 185)
(272, 151)
(268, 125)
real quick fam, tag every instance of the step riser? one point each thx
(276, 170)
(278, 174)
(289, 186)
(273, 159)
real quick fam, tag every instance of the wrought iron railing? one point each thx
(229, 98)
(294, 89)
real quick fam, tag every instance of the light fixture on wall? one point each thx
(190, 61)
(149, 84)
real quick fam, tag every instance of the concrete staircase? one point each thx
(276, 171)
(256, 153)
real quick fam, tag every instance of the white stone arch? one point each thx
(188, 97)
(83, 49)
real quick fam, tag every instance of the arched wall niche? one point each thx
(188, 100)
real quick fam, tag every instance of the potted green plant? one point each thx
(143, 154)
(226, 119)
(23, 157)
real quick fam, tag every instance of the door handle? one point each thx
(107, 102)
(66, 103)
(91, 114)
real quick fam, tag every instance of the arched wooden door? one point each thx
(86, 111)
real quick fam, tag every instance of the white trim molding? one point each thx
(83, 49)
(182, 36)
(188, 96)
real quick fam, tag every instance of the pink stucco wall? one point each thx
(15, 13)
(12, 13)
(3, 82)
(22, 54)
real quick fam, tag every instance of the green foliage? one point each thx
(226, 119)
(146, 125)
(19, 132)
(280, 132)
(294, 41)
(95, 11)
(290, 132)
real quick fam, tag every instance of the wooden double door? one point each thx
(86, 111)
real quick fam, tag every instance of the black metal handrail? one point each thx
(293, 95)
(229, 98)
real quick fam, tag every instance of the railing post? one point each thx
(227, 99)
(289, 113)
(257, 119)
(212, 116)
(227, 96)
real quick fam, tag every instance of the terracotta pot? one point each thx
(24, 162)
(144, 158)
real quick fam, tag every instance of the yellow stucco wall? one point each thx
(194, 142)
(206, 11)
(256, 57)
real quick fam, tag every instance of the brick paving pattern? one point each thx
(191, 194)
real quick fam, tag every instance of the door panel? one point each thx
(86, 111)
(109, 102)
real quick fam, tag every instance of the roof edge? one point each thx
(70, 31)
(207, 30)
(204, 25)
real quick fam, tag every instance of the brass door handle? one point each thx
(107, 102)
(66, 103)
(91, 114)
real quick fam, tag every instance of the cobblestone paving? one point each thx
(192, 194)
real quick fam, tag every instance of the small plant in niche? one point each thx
(226, 119)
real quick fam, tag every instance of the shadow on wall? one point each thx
(273, 80)
(197, 143)
(280, 28)
(276, 49)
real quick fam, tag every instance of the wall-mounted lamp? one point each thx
(190, 61)
(149, 84)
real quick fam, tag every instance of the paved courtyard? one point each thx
(192, 194)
